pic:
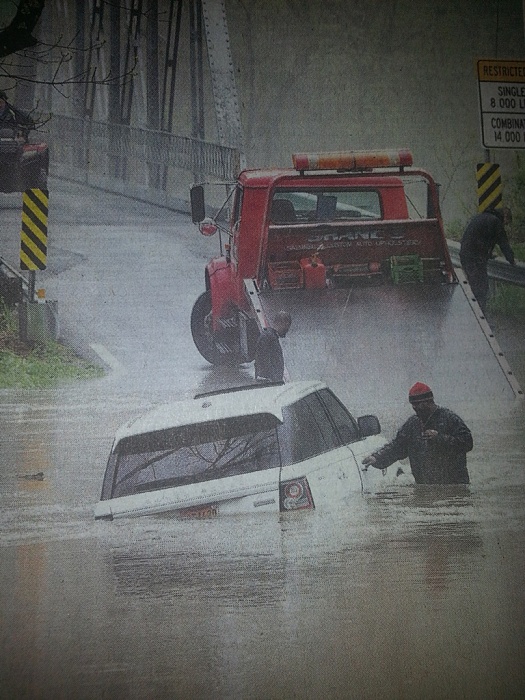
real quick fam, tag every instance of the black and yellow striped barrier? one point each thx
(33, 236)
(488, 177)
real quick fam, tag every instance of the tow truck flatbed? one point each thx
(377, 341)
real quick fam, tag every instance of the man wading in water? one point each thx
(435, 440)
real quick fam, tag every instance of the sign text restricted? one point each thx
(502, 103)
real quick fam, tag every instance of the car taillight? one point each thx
(296, 495)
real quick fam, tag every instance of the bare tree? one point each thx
(24, 50)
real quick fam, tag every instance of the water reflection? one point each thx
(27, 589)
(436, 531)
(403, 584)
(429, 526)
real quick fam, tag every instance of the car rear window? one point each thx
(190, 454)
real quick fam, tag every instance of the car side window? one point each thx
(306, 431)
(345, 424)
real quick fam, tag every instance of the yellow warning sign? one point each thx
(490, 188)
(33, 236)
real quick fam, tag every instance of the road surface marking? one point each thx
(108, 358)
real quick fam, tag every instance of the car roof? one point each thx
(228, 404)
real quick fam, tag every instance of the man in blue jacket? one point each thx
(435, 440)
(483, 232)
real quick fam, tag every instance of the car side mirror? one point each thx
(369, 425)
(198, 210)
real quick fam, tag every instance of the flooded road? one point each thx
(417, 592)
(413, 593)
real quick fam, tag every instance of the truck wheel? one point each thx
(201, 329)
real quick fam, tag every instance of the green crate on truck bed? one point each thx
(406, 268)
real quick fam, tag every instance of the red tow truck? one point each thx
(352, 245)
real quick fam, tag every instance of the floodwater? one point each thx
(418, 592)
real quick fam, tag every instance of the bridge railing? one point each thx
(152, 165)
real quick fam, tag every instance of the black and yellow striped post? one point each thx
(33, 236)
(488, 177)
(38, 318)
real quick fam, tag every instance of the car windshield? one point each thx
(299, 206)
(179, 456)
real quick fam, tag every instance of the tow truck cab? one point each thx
(332, 220)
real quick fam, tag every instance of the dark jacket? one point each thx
(442, 460)
(269, 361)
(484, 231)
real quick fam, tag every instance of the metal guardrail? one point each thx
(15, 274)
(498, 269)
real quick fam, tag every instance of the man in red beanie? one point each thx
(435, 440)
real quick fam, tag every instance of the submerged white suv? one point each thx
(265, 448)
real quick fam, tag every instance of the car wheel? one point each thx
(220, 347)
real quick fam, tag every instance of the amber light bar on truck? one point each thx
(352, 160)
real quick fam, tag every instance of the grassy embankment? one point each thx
(28, 366)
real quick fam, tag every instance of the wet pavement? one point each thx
(415, 592)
